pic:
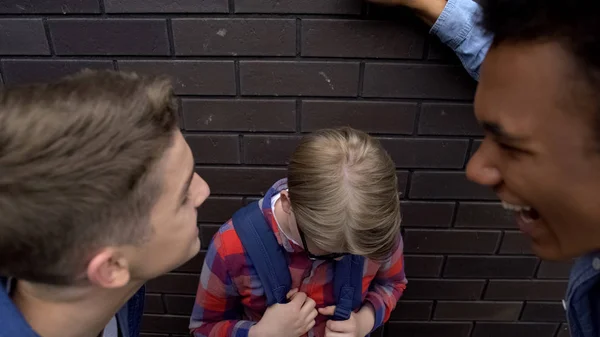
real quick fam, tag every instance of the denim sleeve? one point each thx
(458, 28)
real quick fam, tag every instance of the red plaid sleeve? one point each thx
(215, 311)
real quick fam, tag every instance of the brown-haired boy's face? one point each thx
(540, 150)
(174, 238)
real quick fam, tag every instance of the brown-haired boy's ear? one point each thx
(286, 205)
(108, 269)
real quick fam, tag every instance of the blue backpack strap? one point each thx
(130, 319)
(264, 251)
(347, 286)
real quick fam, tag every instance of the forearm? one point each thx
(387, 287)
(458, 28)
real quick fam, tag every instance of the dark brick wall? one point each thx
(253, 75)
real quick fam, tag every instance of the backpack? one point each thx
(270, 261)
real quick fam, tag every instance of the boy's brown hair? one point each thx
(78, 169)
(344, 193)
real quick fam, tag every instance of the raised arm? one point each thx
(455, 23)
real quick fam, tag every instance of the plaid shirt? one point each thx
(230, 297)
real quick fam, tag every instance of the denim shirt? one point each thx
(458, 28)
(12, 322)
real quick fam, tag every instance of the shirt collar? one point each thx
(269, 214)
(16, 324)
(584, 269)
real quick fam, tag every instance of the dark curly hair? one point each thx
(575, 24)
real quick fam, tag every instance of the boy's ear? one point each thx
(108, 269)
(286, 205)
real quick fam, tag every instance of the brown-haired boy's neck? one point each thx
(72, 311)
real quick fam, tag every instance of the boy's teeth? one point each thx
(516, 208)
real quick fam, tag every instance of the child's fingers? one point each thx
(311, 317)
(327, 311)
(291, 293)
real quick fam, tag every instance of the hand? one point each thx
(347, 328)
(295, 318)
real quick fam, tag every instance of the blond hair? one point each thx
(79, 169)
(343, 190)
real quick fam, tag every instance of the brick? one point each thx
(475, 146)
(239, 115)
(109, 36)
(428, 329)
(544, 312)
(23, 37)
(426, 153)
(490, 267)
(427, 214)
(563, 331)
(440, 52)
(153, 304)
(447, 185)
(165, 323)
(179, 305)
(423, 265)
(378, 332)
(412, 310)
(190, 77)
(300, 7)
(360, 38)
(515, 243)
(248, 200)
(448, 119)
(483, 215)
(174, 284)
(30, 71)
(372, 117)
(399, 14)
(442, 241)
(417, 81)
(218, 209)
(166, 6)
(207, 233)
(271, 150)
(214, 149)
(49, 7)
(426, 289)
(554, 270)
(470, 311)
(513, 329)
(299, 78)
(194, 265)
(240, 180)
(235, 37)
(528, 290)
(402, 182)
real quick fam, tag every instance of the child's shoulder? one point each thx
(227, 241)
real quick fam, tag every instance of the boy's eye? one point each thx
(508, 147)
(512, 150)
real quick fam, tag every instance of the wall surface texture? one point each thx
(253, 76)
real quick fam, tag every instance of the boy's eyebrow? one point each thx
(186, 186)
(499, 133)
